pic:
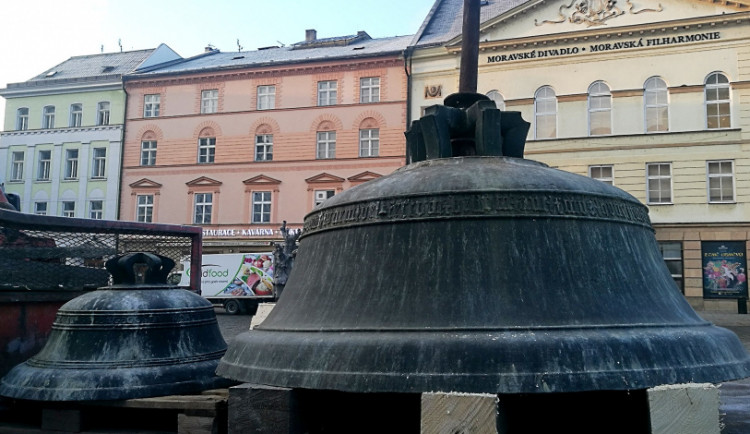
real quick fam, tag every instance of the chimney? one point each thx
(310, 35)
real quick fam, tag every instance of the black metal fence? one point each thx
(50, 253)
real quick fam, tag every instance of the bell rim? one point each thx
(395, 376)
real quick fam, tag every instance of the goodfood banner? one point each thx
(724, 269)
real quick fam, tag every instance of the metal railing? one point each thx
(60, 253)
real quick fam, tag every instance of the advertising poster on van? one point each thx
(724, 269)
(235, 275)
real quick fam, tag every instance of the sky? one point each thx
(39, 34)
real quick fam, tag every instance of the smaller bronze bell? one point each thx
(136, 338)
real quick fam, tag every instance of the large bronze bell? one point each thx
(474, 270)
(136, 338)
(485, 274)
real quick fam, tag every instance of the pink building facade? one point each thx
(237, 143)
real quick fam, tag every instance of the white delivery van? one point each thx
(236, 281)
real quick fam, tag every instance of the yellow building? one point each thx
(653, 97)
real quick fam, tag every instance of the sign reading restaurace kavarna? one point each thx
(602, 47)
(724, 269)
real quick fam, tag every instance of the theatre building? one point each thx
(239, 142)
(652, 97)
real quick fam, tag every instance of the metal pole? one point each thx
(467, 82)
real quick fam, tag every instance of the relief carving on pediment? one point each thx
(594, 12)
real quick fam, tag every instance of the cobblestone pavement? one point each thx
(734, 395)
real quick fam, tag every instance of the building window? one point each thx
(604, 173)
(76, 115)
(209, 101)
(68, 208)
(16, 166)
(203, 206)
(672, 254)
(99, 165)
(264, 147)
(717, 101)
(369, 142)
(659, 180)
(40, 208)
(600, 109)
(369, 89)
(656, 105)
(327, 91)
(151, 104)
(43, 168)
(322, 195)
(206, 150)
(545, 113)
(71, 164)
(102, 113)
(325, 145)
(720, 181)
(22, 119)
(48, 117)
(266, 97)
(148, 152)
(261, 207)
(497, 98)
(145, 210)
(96, 209)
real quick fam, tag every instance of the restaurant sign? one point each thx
(244, 232)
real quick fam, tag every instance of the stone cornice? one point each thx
(263, 71)
(54, 131)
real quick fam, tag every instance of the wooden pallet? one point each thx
(205, 413)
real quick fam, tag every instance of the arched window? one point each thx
(600, 109)
(656, 105)
(545, 113)
(498, 98)
(718, 113)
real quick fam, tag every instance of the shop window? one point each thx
(672, 254)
